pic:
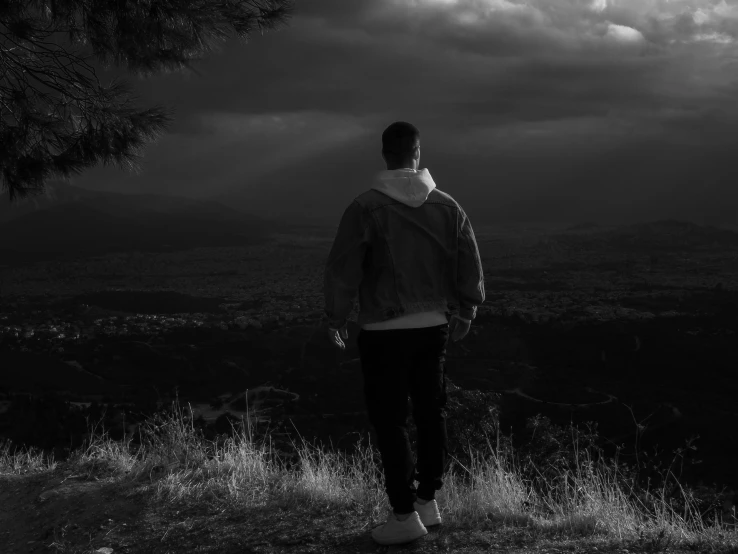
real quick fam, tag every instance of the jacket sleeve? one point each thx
(470, 274)
(343, 269)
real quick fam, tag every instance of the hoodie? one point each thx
(411, 187)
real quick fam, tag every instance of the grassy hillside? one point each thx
(178, 491)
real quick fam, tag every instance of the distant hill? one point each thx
(53, 195)
(69, 220)
(662, 235)
(672, 232)
(124, 205)
(585, 226)
(299, 218)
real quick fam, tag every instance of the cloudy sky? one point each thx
(555, 110)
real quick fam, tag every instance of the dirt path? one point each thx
(60, 511)
(66, 514)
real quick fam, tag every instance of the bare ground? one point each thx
(63, 513)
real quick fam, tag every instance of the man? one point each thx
(408, 250)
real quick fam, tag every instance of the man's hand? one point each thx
(458, 328)
(337, 334)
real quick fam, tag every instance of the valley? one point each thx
(633, 328)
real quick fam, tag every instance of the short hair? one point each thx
(399, 140)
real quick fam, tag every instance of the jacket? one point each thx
(408, 251)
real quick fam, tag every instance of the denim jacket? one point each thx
(407, 250)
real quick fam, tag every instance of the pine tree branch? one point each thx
(57, 119)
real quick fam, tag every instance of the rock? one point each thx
(104, 550)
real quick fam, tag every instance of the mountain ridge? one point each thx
(67, 220)
(56, 194)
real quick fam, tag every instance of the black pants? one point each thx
(397, 363)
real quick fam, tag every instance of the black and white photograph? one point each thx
(368, 276)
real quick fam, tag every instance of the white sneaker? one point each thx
(399, 532)
(428, 512)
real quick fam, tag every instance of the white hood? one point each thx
(409, 186)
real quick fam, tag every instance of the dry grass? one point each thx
(180, 467)
(17, 461)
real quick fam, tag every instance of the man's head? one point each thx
(401, 146)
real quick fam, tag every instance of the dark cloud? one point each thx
(565, 106)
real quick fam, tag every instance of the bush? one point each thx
(472, 421)
(548, 451)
